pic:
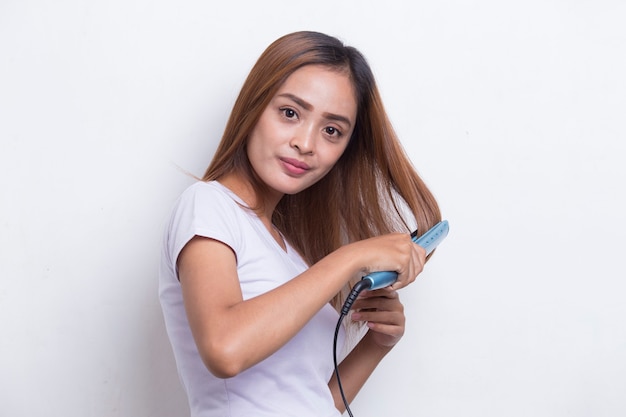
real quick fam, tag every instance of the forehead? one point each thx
(326, 89)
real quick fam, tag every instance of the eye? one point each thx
(333, 131)
(289, 113)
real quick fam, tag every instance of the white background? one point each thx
(513, 112)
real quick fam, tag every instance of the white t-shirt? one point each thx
(291, 382)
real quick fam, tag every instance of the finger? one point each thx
(387, 329)
(379, 305)
(387, 292)
(415, 267)
(400, 283)
(372, 298)
(392, 318)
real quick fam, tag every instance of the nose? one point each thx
(303, 140)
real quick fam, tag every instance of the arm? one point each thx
(384, 314)
(233, 335)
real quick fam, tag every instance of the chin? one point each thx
(292, 189)
(289, 185)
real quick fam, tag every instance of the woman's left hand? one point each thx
(384, 314)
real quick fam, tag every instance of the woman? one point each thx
(308, 191)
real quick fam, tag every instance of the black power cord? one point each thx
(354, 293)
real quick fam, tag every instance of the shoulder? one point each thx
(205, 209)
(207, 198)
(211, 190)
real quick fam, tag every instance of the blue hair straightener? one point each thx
(428, 241)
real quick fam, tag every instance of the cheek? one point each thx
(340, 149)
(332, 155)
(254, 151)
(258, 140)
(267, 133)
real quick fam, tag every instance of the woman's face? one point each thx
(304, 129)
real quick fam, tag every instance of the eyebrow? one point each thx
(308, 106)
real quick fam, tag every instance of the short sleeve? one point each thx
(203, 210)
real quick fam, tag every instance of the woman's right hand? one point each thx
(390, 252)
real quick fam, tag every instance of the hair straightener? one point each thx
(381, 279)
(428, 241)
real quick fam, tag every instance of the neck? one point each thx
(264, 205)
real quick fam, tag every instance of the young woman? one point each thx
(308, 191)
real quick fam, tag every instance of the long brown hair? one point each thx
(373, 189)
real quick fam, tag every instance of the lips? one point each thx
(294, 166)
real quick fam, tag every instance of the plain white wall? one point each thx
(513, 112)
